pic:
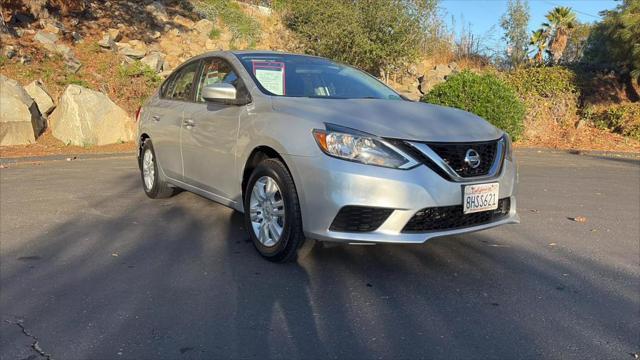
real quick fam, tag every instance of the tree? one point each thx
(515, 22)
(540, 39)
(562, 20)
(392, 34)
(378, 36)
(576, 43)
(613, 40)
(614, 43)
(432, 26)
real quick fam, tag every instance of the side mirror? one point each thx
(220, 92)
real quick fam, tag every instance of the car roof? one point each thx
(251, 52)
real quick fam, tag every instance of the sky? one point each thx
(481, 15)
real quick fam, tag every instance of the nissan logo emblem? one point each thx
(472, 158)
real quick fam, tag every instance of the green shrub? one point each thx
(484, 95)
(73, 79)
(543, 81)
(95, 48)
(242, 27)
(214, 34)
(622, 118)
(138, 69)
(550, 95)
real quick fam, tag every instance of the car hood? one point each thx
(392, 118)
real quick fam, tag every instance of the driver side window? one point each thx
(181, 86)
(214, 71)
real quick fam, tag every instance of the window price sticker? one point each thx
(271, 75)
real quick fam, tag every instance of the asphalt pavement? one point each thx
(90, 268)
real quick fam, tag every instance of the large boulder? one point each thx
(85, 117)
(8, 51)
(158, 11)
(107, 42)
(435, 76)
(134, 49)
(204, 27)
(155, 61)
(110, 38)
(20, 120)
(49, 42)
(46, 38)
(171, 45)
(37, 92)
(114, 34)
(183, 21)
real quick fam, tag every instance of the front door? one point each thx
(209, 134)
(167, 116)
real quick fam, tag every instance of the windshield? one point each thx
(306, 76)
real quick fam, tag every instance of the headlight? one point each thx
(352, 145)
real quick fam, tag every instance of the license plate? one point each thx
(480, 197)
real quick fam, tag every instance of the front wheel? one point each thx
(154, 184)
(272, 212)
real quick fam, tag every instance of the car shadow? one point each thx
(178, 278)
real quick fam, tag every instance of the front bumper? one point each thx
(326, 184)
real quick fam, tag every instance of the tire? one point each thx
(158, 187)
(290, 244)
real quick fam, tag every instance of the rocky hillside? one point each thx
(58, 70)
(73, 78)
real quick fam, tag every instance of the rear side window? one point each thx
(180, 85)
(166, 85)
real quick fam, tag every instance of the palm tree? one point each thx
(540, 39)
(562, 20)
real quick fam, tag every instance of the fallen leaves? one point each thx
(580, 219)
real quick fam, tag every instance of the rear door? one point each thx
(209, 134)
(167, 115)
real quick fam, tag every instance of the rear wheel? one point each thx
(153, 183)
(272, 212)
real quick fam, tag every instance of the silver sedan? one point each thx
(312, 150)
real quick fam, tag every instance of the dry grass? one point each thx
(583, 138)
(555, 123)
(99, 72)
(48, 145)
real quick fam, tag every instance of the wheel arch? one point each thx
(141, 140)
(258, 154)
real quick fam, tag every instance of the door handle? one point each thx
(189, 123)
(156, 118)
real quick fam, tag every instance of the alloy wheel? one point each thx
(148, 170)
(266, 209)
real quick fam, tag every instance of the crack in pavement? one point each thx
(36, 344)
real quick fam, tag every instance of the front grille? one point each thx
(419, 156)
(359, 218)
(452, 217)
(453, 154)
